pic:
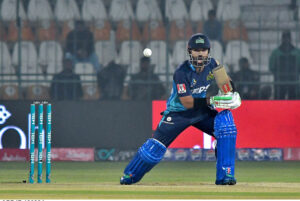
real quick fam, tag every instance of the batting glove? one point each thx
(226, 101)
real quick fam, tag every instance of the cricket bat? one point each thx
(222, 79)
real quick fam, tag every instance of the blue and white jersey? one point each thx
(187, 82)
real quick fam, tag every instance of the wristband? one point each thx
(199, 103)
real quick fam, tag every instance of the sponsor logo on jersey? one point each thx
(168, 121)
(181, 88)
(200, 89)
(194, 82)
(210, 76)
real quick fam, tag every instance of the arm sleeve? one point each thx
(182, 84)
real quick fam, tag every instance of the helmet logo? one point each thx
(200, 40)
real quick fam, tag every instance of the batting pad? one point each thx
(225, 132)
(148, 155)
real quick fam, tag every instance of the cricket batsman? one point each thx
(187, 106)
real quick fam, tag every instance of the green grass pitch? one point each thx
(168, 180)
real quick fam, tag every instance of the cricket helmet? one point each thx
(199, 42)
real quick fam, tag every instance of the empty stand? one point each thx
(50, 57)
(179, 53)
(93, 10)
(180, 30)
(159, 59)
(3, 32)
(47, 30)
(9, 91)
(121, 10)
(199, 10)
(5, 59)
(130, 54)
(86, 72)
(37, 92)
(228, 10)
(268, 17)
(27, 33)
(29, 69)
(148, 10)
(154, 30)
(9, 10)
(66, 10)
(39, 10)
(216, 50)
(88, 78)
(8, 79)
(128, 30)
(261, 52)
(176, 10)
(234, 30)
(105, 51)
(234, 51)
(101, 29)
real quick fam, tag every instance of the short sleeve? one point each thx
(182, 84)
(214, 63)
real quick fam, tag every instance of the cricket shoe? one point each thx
(126, 179)
(226, 181)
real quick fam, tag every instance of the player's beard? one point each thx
(199, 62)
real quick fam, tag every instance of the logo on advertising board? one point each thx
(258, 154)
(4, 114)
(196, 154)
(14, 155)
(291, 153)
(209, 155)
(73, 154)
(181, 154)
(243, 154)
(168, 155)
(124, 155)
(105, 154)
(274, 154)
(181, 88)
